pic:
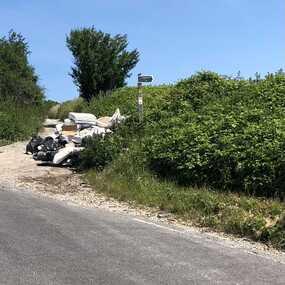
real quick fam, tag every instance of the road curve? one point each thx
(44, 241)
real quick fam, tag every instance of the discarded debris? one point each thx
(68, 155)
(64, 146)
(33, 144)
(110, 122)
(46, 150)
(94, 131)
(82, 118)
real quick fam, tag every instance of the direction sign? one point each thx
(145, 78)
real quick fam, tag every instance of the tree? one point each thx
(101, 62)
(18, 80)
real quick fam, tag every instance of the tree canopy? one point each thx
(18, 80)
(101, 62)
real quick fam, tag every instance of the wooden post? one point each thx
(140, 100)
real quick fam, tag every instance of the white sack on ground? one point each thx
(82, 118)
(64, 153)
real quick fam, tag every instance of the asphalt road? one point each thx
(44, 241)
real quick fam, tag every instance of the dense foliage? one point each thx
(18, 80)
(102, 62)
(224, 133)
(126, 100)
(19, 121)
(21, 98)
(99, 152)
(203, 126)
(77, 105)
(208, 130)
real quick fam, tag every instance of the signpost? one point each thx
(145, 78)
(142, 79)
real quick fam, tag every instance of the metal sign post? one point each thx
(142, 79)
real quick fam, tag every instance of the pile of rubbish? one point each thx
(64, 145)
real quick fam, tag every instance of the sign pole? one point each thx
(140, 100)
(142, 79)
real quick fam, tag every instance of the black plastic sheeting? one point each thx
(45, 149)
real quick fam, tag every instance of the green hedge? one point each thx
(209, 130)
(224, 133)
(124, 98)
(19, 121)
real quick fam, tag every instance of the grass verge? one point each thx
(126, 179)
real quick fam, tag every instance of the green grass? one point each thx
(126, 179)
(19, 121)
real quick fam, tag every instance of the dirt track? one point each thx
(19, 171)
(16, 166)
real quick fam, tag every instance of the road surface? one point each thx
(44, 241)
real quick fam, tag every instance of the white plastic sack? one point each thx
(64, 153)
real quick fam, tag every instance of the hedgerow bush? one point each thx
(101, 151)
(124, 98)
(76, 105)
(22, 105)
(224, 133)
(209, 130)
(19, 121)
(205, 121)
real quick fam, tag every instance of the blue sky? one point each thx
(175, 38)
